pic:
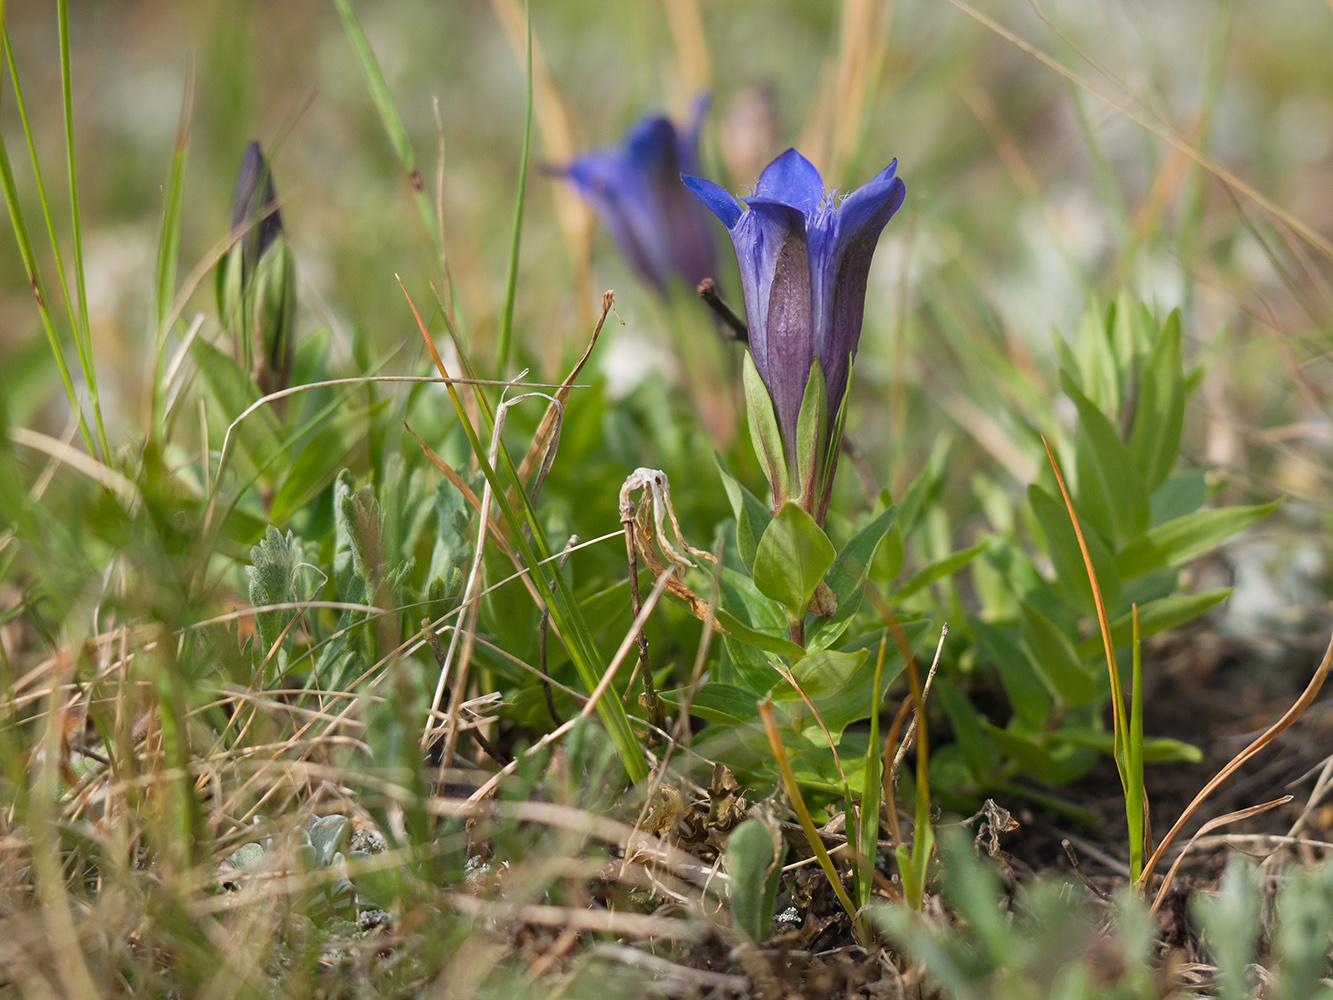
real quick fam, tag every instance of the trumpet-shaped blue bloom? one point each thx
(637, 191)
(804, 259)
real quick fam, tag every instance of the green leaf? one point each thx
(1026, 692)
(754, 867)
(1156, 749)
(273, 563)
(328, 836)
(1178, 540)
(793, 556)
(925, 486)
(1159, 413)
(1054, 765)
(1231, 920)
(313, 470)
(822, 674)
(1062, 547)
(1110, 491)
(1156, 616)
(940, 568)
(234, 390)
(811, 431)
(977, 748)
(453, 543)
(764, 432)
(717, 702)
(1181, 494)
(1055, 659)
(1096, 361)
(1301, 934)
(847, 576)
(760, 640)
(752, 514)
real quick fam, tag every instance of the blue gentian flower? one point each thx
(637, 191)
(804, 259)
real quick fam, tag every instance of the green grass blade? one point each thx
(83, 339)
(511, 283)
(37, 176)
(168, 245)
(388, 112)
(1134, 796)
(868, 838)
(34, 278)
(536, 554)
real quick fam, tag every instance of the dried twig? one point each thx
(732, 324)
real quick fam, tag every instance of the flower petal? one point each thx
(650, 143)
(715, 199)
(792, 180)
(870, 206)
(842, 246)
(607, 181)
(774, 261)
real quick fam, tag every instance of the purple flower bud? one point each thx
(637, 191)
(255, 206)
(804, 259)
(256, 279)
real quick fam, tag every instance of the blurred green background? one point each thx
(1026, 191)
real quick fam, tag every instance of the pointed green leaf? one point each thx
(1062, 547)
(1156, 749)
(1055, 659)
(716, 702)
(453, 541)
(1159, 413)
(940, 568)
(754, 868)
(1155, 616)
(794, 553)
(1181, 494)
(1024, 688)
(811, 430)
(847, 576)
(314, 468)
(1055, 765)
(764, 432)
(822, 674)
(977, 748)
(752, 516)
(273, 561)
(1176, 541)
(1110, 491)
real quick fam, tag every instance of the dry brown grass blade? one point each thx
(1211, 825)
(802, 813)
(819, 720)
(1267, 736)
(625, 925)
(1117, 692)
(551, 418)
(863, 41)
(687, 31)
(833, 127)
(602, 687)
(1169, 136)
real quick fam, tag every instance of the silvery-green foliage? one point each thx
(1230, 922)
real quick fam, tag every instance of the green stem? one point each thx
(83, 339)
(511, 284)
